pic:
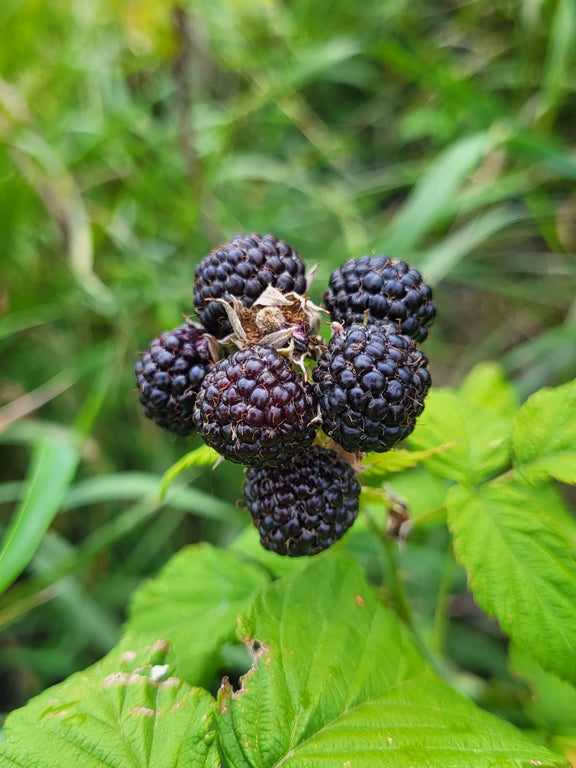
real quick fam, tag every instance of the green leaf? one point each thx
(423, 492)
(398, 460)
(551, 704)
(486, 387)
(203, 456)
(336, 682)
(520, 568)
(544, 437)
(53, 466)
(551, 499)
(247, 545)
(474, 422)
(443, 423)
(126, 711)
(194, 603)
(419, 722)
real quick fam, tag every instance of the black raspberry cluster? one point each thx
(238, 378)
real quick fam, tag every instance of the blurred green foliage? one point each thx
(135, 137)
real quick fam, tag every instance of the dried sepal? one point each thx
(286, 322)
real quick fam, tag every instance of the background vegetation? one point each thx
(137, 136)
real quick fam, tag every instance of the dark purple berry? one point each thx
(169, 375)
(244, 268)
(381, 289)
(254, 409)
(370, 382)
(304, 506)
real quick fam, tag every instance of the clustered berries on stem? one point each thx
(240, 380)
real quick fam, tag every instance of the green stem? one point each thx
(440, 626)
(400, 599)
(396, 587)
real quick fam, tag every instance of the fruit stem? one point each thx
(398, 593)
(396, 588)
(440, 625)
(400, 598)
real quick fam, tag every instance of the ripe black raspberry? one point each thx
(371, 382)
(383, 288)
(304, 506)
(254, 409)
(169, 375)
(244, 268)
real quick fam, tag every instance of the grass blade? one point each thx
(444, 257)
(53, 465)
(435, 193)
(557, 71)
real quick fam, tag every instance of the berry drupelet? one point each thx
(254, 409)
(243, 268)
(382, 289)
(169, 375)
(304, 506)
(370, 382)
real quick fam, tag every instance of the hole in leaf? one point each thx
(255, 646)
(236, 660)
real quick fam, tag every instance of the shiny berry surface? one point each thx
(254, 409)
(169, 375)
(304, 506)
(370, 382)
(244, 268)
(381, 289)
